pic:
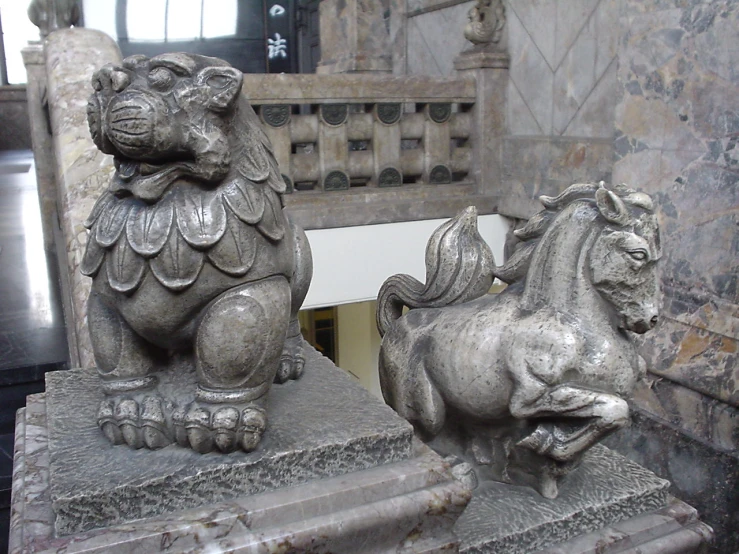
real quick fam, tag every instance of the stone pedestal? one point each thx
(608, 504)
(336, 471)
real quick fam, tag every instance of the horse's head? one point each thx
(618, 231)
(623, 259)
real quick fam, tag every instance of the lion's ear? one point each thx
(224, 85)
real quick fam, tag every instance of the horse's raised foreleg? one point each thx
(601, 414)
(405, 384)
(537, 367)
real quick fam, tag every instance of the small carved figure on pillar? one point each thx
(50, 15)
(486, 21)
(198, 275)
(521, 384)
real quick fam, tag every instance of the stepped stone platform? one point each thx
(337, 471)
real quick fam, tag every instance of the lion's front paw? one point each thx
(206, 427)
(136, 420)
(292, 360)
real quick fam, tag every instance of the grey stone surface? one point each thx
(607, 488)
(525, 381)
(674, 529)
(16, 133)
(538, 165)
(409, 505)
(702, 473)
(323, 425)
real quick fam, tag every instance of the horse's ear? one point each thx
(611, 207)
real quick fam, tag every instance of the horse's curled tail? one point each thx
(459, 268)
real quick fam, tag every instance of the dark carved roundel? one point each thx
(334, 114)
(289, 187)
(440, 175)
(276, 115)
(336, 180)
(388, 112)
(390, 177)
(440, 111)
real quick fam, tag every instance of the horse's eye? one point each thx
(161, 78)
(639, 255)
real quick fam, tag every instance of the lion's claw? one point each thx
(292, 361)
(224, 428)
(137, 422)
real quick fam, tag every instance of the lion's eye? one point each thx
(161, 78)
(639, 255)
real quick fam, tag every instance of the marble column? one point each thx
(82, 171)
(355, 37)
(33, 58)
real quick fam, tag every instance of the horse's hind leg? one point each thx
(405, 384)
(607, 414)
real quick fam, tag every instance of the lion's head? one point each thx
(195, 174)
(174, 117)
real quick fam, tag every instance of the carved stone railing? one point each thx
(352, 141)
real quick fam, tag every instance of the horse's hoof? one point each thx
(540, 441)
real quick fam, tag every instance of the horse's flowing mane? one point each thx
(517, 265)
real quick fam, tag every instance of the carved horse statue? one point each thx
(529, 379)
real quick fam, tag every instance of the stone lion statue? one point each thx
(198, 274)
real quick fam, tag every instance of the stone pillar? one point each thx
(43, 154)
(355, 37)
(82, 171)
(489, 66)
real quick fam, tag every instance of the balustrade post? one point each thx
(489, 66)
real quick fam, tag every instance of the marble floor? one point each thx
(32, 332)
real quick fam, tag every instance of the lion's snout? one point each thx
(130, 124)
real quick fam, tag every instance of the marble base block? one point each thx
(321, 426)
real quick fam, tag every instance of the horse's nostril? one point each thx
(654, 321)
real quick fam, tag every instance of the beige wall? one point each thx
(359, 343)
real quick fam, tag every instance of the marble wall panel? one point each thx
(435, 38)
(533, 166)
(585, 77)
(561, 84)
(520, 118)
(680, 105)
(676, 129)
(530, 72)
